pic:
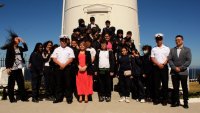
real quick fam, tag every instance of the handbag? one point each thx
(127, 73)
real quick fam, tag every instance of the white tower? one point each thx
(123, 14)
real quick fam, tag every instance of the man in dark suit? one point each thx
(179, 61)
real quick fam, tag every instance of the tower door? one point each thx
(100, 18)
(100, 12)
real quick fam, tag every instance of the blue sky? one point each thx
(40, 20)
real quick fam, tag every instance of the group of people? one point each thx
(93, 58)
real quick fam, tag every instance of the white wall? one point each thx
(122, 14)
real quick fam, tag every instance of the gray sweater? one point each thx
(183, 61)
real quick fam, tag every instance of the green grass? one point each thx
(194, 91)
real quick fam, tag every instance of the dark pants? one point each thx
(140, 87)
(148, 82)
(176, 79)
(36, 83)
(161, 76)
(104, 83)
(16, 75)
(49, 81)
(125, 85)
(73, 77)
(63, 84)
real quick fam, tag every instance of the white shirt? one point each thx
(104, 59)
(63, 54)
(160, 53)
(46, 63)
(93, 25)
(178, 51)
(92, 51)
(18, 64)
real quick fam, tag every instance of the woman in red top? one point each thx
(84, 81)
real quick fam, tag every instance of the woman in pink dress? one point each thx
(84, 81)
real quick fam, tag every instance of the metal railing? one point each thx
(193, 72)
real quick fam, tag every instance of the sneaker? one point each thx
(108, 99)
(142, 101)
(137, 100)
(122, 99)
(101, 98)
(127, 100)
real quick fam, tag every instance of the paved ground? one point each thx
(95, 107)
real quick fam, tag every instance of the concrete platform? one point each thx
(95, 107)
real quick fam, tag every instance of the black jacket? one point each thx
(90, 25)
(90, 68)
(37, 62)
(136, 64)
(124, 64)
(96, 44)
(10, 55)
(147, 65)
(111, 61)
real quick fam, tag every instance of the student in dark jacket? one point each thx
(108, 29)
(147, 67)
(82, 26)
(75, 48)
(124, 77)
(136, 64)
(117, 41)
(93, 25)
(129, 42)
(96, 42)
(36, 66)
(14, 63)
(104, 67)
(48, 76)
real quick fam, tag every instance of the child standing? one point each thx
(104, 66)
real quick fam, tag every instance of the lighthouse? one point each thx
(123, 14)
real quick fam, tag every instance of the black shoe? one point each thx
(49, 99)
(57, 101)
(101, 99)
(148, 100)
(35, 100)
(40, 99)
(175, 104)
(24, 100)
(185, 106)
(164, 103)
(69, 101)
(156, 102)
(108, 99)
(53, 98)
(13, 101)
